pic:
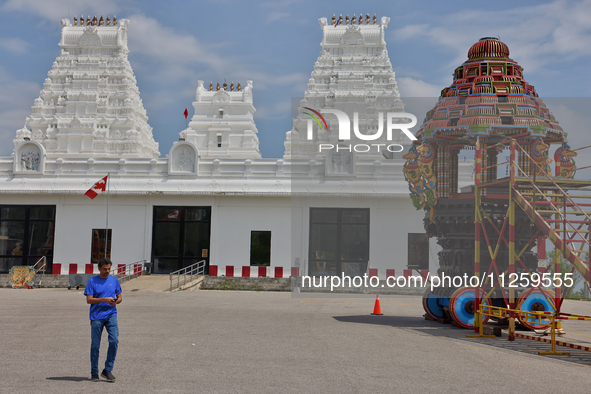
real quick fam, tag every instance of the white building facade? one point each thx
(212, 197)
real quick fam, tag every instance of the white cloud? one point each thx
(573, 115)
(149, 37)
(410, 87)
(16, 99)
(58, 9)
(547, 33)
(277, 15)
(279, 10)
(15, 45)
(183, 59)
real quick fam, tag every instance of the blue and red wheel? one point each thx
(534, 300)
(462, 306)
(432, 305)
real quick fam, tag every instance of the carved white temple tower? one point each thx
(353, 74)
(90, 104)
(223, 124)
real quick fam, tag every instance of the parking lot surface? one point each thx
(266, 342)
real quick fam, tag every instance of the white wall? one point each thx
(236, 217)
(78, 215)
(232, 220)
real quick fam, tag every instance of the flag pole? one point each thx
(107, 225)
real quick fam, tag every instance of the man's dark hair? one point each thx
(104, 261)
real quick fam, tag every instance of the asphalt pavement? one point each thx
(267, 342)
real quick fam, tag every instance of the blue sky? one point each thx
(174, 43)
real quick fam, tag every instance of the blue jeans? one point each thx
(96, 330)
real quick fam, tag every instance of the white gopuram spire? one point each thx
(223, 124)
(90, 104)
(353, 74)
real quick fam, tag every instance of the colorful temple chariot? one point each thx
(490, 109)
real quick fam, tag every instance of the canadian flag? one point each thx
(100, 186)
(173, 215)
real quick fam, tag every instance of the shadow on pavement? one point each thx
(69, 378)
(427, 327)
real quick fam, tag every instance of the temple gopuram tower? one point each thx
(223, 124)
(90, 105)
(353, 73)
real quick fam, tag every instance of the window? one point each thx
(219, 140)
(26, 235)
(101, 245)
(339, 241)
(418, 251)
(221, 112)
(260, 248)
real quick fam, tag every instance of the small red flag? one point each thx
(186, 113)
(173, 215)
(100, 186)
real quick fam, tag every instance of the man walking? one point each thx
(103, 292)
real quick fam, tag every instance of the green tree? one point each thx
(566, 267)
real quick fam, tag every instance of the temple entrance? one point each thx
(180, 237)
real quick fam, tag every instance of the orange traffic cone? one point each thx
(377, 310)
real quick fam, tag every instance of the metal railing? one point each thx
(194, 270)
(129, 271)
(40, 265)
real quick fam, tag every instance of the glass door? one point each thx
(339, 241)
(180, 237)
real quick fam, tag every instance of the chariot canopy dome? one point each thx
(488, 104)
(489, 96)
(488, 47)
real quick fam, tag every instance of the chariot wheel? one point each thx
(462, 306)
(534, 300)
(431, 305)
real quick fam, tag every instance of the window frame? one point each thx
(338, 260)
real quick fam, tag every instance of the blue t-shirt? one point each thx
(101, 288)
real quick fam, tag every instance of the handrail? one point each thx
(565, 194)
(196, 269)
(126, 272)
(40, 268)
(562, 199)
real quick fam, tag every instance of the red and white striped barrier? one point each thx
(79, 268)
(559, 343)
(251, 272)
(246, 271)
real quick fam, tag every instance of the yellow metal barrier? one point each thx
(506, 313)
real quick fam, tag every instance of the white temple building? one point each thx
(212, 197)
